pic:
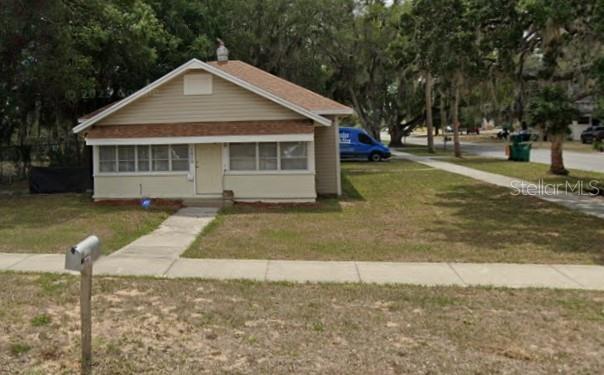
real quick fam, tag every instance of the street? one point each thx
(574, 160)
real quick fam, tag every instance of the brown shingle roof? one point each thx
(280, 87)
(198, 129)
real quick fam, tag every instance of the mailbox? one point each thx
(80, 258)
(90, 247)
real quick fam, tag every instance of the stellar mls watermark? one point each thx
(587, 188)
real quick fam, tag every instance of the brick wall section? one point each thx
(199, 129)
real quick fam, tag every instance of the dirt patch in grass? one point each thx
(52, 223)
(157, 326)
(404, 211)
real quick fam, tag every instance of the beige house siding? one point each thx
(228, 102)
(285, 187)
(272, 187)
(152, 186)
(255, 187)
(327, 159)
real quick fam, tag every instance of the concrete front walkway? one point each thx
(429, 274)
(172, 237)
(587, 204)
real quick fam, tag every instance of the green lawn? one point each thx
(403, 211)
(52, 223)
(159, 326)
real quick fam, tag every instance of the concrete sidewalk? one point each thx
(429, 274)
(589, 205)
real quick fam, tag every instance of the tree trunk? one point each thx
(455, 113)
(359, 110)
(375, 132)
(429, 125)
(443, 112)
(396, 135)
(557, 163)
(395, 129)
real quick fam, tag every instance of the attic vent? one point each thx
(198, 84)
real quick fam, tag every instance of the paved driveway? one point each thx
(574, 160)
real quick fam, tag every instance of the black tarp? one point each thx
(59, 180)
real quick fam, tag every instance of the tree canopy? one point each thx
(398, 63)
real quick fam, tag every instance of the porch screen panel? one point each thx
(126, 158)
(160, 158)
(179, 154)
(267, 156)
(107, 159)
(242, 156)
(143, 158)
(293, 155)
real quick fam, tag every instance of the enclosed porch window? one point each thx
(143, 158)
(268, 156)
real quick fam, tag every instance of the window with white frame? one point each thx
(107, 159)
(126, 158)
(293, 155)
(160, 158)
(179, 157)
(268, 156)
(242, 156)
(143, 159)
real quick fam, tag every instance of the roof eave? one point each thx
(335, 112)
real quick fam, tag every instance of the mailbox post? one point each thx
(80, 258)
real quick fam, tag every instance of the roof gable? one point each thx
(169, 103)
(196, 64)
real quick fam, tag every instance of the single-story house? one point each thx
(212, 129)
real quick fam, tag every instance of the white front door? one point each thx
(208, 168)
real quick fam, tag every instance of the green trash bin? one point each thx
(520, 149)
